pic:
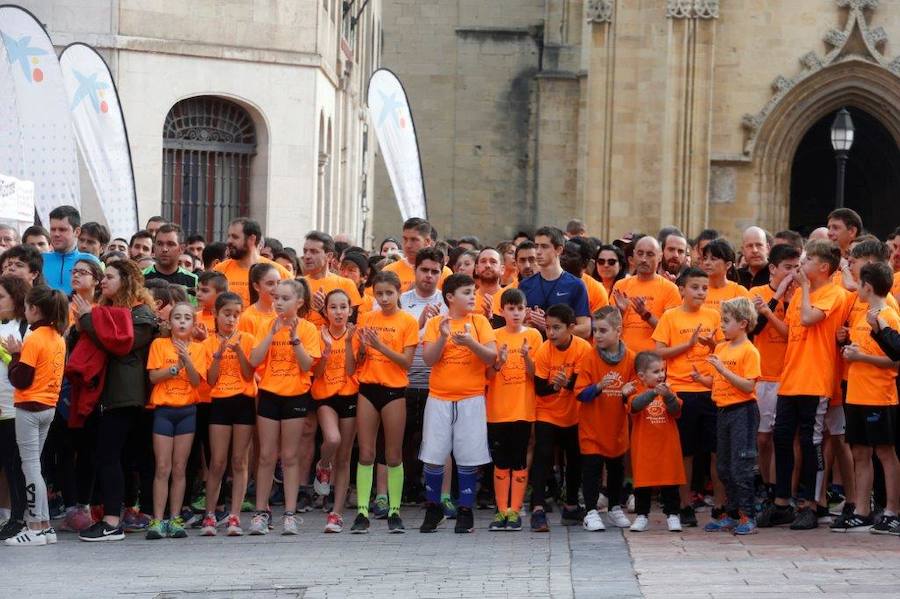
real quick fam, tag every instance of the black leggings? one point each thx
(547, 437)
(669, 495)
(199, 448)
(803, 416)
(75, 455)
(12, 468)
(140, 463)
(412, 440)
(115, 428)
(508, 442)
(592, 475)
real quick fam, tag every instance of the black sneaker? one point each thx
(465, 521)
(572, 517)
(823, 516)
(888, 525)
(852, 523)
(434, 517)
(688, 517)
(304, 500)
(360, 525)
(11, 529)
(395, 524)
(101, 531)
(775, 515)
(539, 521)
(806, 519)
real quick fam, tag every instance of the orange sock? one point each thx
(519, 483)
(501, 489)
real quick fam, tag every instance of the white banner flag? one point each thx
(392, 119)
(12, 153)
(101, 135)
(47, 138)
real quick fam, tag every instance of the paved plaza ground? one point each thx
(567, 562)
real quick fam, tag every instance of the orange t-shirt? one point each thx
(44, 350)
(659, 294)
(231, 382)
(895, 288)
(281, 374)
(73, 312)
(677, 326)
(495, 301)
(175, 392)
(367, 303)
(810, 361)
(335, 381)
(743, 360)
(731, 290)
(329, 283)
(397, 331)
(597, 295)
(853, 308)
(770, 343)
(407, 274)
(458, 373)
(207, 319)
(867, 384)
(510, 394)
(603, 422)
(655, 446)
(255, 322)
(239, 277)
(560, 408)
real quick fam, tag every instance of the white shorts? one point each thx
(835, 421)
(457, 426)
(767, 399)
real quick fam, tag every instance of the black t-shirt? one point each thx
(186, 279)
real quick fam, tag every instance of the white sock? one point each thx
(5, 513)
(889, 513)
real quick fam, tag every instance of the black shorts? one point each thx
(237, 409)
(697, 423)
(508, 443)
(281, 407)
(379, 395)
(870, 425)
(343, 405)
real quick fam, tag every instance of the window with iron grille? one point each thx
(208, 146)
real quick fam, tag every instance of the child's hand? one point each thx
(620, 300)
(463, 337)
(801, 278)
(326, 338)
(200, 332)
(348, 337)
(762, 307)
(235, 344)
(12, 345)
(784, 286)
(872, 319)
(502, 355)
(559, 379)
(628, 388)
(663, 390)
(708, 341)
(608, 379)
(852, 353)
(695, 336)
(444, 327)
(716, 363)
(842, 335)
(182, 349)
(695, 374)
(525, 349)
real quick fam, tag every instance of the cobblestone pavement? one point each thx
(568, 562)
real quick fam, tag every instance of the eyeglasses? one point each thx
(607, 262)
(82, 272)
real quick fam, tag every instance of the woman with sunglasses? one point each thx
(609, 266)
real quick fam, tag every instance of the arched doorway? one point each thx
(208, 146)
(872, 186)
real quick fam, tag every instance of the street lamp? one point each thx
(841, 140)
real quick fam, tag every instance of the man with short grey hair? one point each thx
(755, 249)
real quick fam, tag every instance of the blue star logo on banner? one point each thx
(18, 51)
(389, 108)
(88, 87)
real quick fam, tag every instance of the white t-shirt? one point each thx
(412, 303)
(10, 328)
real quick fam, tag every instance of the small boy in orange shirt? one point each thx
(655, 445)
(210, 284)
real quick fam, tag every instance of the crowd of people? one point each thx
(165, 383)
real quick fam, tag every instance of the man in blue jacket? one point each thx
(65, 224)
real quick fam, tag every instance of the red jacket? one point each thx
(86, 366)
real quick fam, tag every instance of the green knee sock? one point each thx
(363, 487)
(395, 487)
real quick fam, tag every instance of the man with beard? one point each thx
(488, 270)
(244, 236)
(318, 253)
(675, 255)
(526, 260)
(417, 234)
(167, 248)
(755, 248)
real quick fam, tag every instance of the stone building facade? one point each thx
(634, 114)
(238, 107)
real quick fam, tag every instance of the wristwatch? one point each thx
(173, 370)
(295, 341)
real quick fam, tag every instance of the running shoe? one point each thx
(156, 530)
(49, 534)
(775, 515)
(234, 526)
(640, 524)
(134, 521)
(189, 518)
(290, 524)
(209, 526)
(887, 525)
(539, 521)
(449, 507)
(221, 517)
(334, 523)
(276, 497)
(176, 528)
(360, 525)
(11, 529)
(724, 523)
(465, 521)
(199, 504)
(101, 531)
(617, 516)
(593, 522)
(823, 516)
(571, 517)
(629, 504)
(434, 517)
(688, 516)
(248, 506)
(746, 526)
(259, 524)
(673, 521)
(322, 482)
(513, 520)
(26, 538)
(380, 508)
(304, 500)
(852, 523)
(498, 523)
(806, 519)
(395, 524)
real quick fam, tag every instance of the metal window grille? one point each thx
(208, 146)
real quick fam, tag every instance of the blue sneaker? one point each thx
(449, 507)
(747, 526)
(380, 507)
(539, 521)
(724, 523)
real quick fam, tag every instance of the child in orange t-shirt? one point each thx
(655, 446)
(174, 366)
(210, 284)
(510, 409)
(737, 368)
(458, 347)
(36, 372)
(602, 418)
(556, 366)
(257, 318)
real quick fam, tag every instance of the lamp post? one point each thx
(841, 140)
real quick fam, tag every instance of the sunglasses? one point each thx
(607, 262)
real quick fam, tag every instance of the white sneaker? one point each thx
(27, 538)
(618, 517)
(593, 522)
(602, 503)
(50, 535)
(641, 523)
(291, 524)
(629, 505)
(674, 523)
